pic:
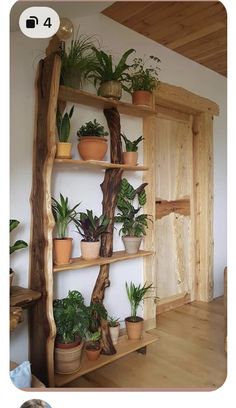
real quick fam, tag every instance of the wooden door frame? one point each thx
(182, 103)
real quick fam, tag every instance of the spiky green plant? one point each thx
(106, 70)
(63, 125)
(136, 295)
(63, 214)
(89, 226)
(113, 322)
(19, 244)
(131, 146)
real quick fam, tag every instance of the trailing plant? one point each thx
(131, 146)
(63, 214)
(106, 70)
(92, 129)
(112, 321)
(63, 125)
(143, 74)
(19, 244)
(136, 295)
(134, 225)
(79, 56)
(71, 317)
(89, 226)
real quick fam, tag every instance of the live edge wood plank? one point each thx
(86, 98)
(79, 263)
(23, 297)
(100, 164)
(123, 347)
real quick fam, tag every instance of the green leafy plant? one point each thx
(143, 74)
(92, 129)
(63, 125)
(71, 317)
(63, 214)
(112, 321)
(136, 295)
(134, 225)
(106, 70)
(79, 58)
(93, 340)
(131, 146)
(19, 244)
(89, 226)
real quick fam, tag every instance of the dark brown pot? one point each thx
(110, 89)
(142, 98)
(134, 328)
(92, 147)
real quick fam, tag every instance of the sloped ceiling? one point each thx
(196, 30)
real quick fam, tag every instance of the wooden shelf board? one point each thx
(16, 317)
(79, 263)
(88, 99)
(100, 164)
(123, 347)
(23, 297)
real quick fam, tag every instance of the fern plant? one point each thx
(131, 146)
(134, 224)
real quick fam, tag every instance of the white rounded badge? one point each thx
(39, 22)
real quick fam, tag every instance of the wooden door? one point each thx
(173, 227)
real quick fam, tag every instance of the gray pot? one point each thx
(72, 77)
(132, 244)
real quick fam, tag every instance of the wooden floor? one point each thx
(189, 355)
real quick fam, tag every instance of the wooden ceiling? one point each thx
(197, 30)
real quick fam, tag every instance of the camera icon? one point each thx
(31, 22)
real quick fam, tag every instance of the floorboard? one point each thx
(188, 356)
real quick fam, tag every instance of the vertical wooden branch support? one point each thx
(110, 188)
(42, 327)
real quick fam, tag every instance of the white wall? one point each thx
(84, 185)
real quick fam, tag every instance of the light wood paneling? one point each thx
(190, 28)
(188, 355)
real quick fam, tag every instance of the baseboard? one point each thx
(171, 302)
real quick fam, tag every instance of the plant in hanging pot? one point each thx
(114, 328)
(143, 79)
(90, 227)
(78, 61)
(134, 323)
(134, 224)
(19, 244)
(108, 76)
(71, 317)
(63, 131)
(92, 144)
(63, 215)
(130, 156)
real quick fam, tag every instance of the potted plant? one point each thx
(134, 224)
(90, 227)
(78, 61)
(63, 215)
(130, 156)
(92, 345)
(134, 323)
(19, 244)
(92, 145)
(71, 317)
(114, 328)
(63, 131)
(110, 77)
(143, 79)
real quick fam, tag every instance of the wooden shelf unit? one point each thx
(94, 164)
(80, 263)
(67, 94)
(123, 347)
(20, 298)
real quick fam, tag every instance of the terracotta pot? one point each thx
(92, 353)
(67, 360)
(142, 98)
(63, 150)
(130, 158)
(92, 147)
(110, 89)
(114, 332)
(132, 244)
(134, 329)
(62, 249)
(90, 250)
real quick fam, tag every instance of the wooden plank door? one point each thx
(174, 259)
